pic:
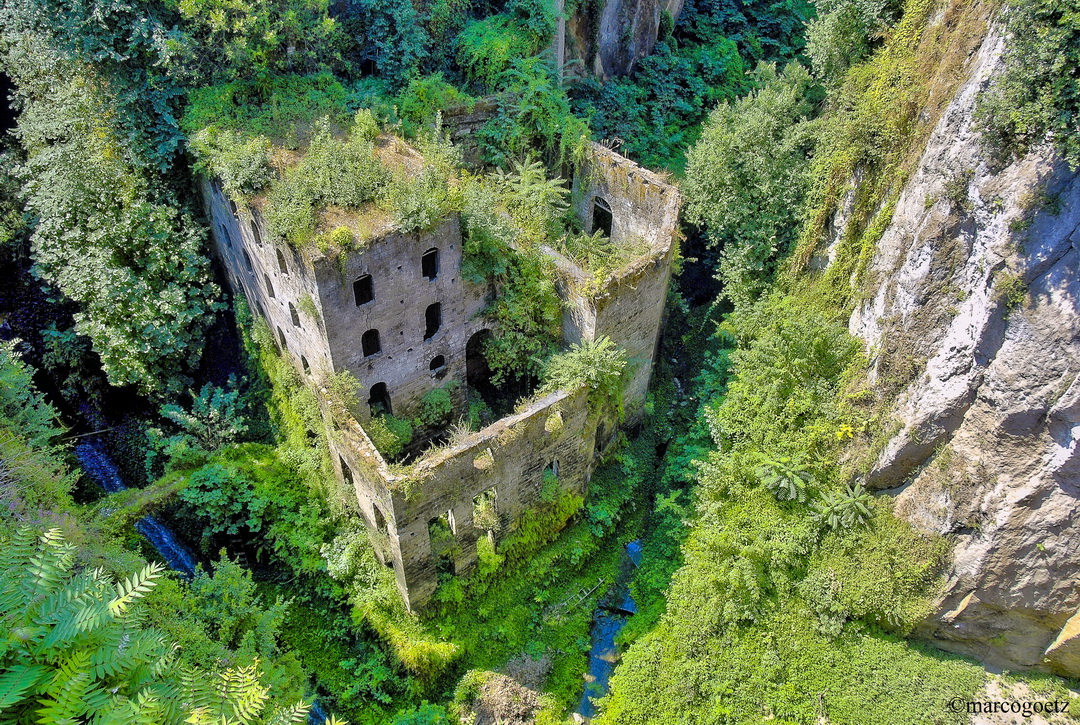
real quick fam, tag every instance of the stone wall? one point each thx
(401, 296)
(274, 279)
(627, 306)
(509, 456)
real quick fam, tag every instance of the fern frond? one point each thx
(17, 681)
(240, 688)
(134, 587)
(296, 713)
(66, 693)
(50, 563)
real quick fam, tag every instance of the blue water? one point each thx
(317, 715)
(100, 466)
(603, 655)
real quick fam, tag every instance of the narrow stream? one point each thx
(100, 466)
(609, 620)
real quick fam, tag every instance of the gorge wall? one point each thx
(606, 38)
(975, 283)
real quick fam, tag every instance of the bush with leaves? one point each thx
(331, 172)
(78, 649)
(843, 509)
(242, 164)
(786, 478)
(213, 422)
(845, 32)
(746, 178)
(389, 434)
(526, 312)
(532, 117)
(224, 498)
(599, 365)
(109, 239)
(1037, 97)
(424, 714)
(227, 40)
(22, 406)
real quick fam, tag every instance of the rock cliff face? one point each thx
(976, 283)
(606, 38)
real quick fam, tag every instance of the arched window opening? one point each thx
(346, 472)
(294, 315)
(255, 232)
(369, 343)
(269, 285)
(379, 400)
(225, 235)
(282, 265)
(304, 363)
(281, 337)
(380, 519)
(429, 264)
(247, 259)
(601, 216)
(363, 290)
(432, 320)
(437, 363)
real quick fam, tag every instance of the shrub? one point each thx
(488, 47)
(331, 172)
(599, 365)
(844, 32)
(242, 164)
(420, 202)
(420, 102)
(1036, 97)
(746, 179)
(389, 434)
(436, 407)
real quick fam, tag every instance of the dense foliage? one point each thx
(747, 177)
(771, 584)
(1037, 97)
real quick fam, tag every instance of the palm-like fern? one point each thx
(76, 651)
(843, 509)
(785, 477)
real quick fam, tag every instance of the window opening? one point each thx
(429, 264)
(432, 320)
(369, 343)
(601, 216)
(363, 290)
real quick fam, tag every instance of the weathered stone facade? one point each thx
(322, 313)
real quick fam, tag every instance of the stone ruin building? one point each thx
(398, 315)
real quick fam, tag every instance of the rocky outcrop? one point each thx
(976, 286)
(606, 38)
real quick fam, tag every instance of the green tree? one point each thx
(109, 238)
(747, 177)
(22, 406)
(227, 40)
(844, 33)
(1037, 97)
